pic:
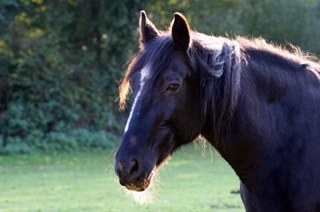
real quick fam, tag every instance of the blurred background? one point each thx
(61, 63)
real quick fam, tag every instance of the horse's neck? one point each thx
(245, 141)
(263, 114)
(243, 146)
(240, 141)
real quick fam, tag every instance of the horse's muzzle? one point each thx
(132, 176)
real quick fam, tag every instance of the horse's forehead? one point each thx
(177, 66)
(141, 75)
(158, 68)
(145, 73)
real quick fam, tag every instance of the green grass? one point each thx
(86, 182)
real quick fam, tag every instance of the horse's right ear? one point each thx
(148, 31)
(180, 32)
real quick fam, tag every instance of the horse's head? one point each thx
(165, 110)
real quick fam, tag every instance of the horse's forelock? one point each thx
(123, 92)
(157, 55)
(125, 86)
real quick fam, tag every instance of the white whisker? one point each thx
(150, 194)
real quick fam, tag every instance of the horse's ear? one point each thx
(147, 30)
(180, 32)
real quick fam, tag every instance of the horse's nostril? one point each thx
(133, 167)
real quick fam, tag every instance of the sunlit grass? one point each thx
(86, 182)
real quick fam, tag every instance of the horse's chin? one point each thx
(141, 185)
(136, 188)
(143, 182)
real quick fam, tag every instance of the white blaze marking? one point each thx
(144, 74)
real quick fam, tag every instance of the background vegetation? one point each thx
(61, 61)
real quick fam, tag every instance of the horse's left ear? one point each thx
(180, 32)
(148, 31)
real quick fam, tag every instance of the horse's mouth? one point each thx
(140, 185)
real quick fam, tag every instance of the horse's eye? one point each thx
(173, 87)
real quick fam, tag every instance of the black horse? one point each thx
(256, 103)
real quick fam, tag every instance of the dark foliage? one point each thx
(61, 61)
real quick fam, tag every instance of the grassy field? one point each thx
(86, 182)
